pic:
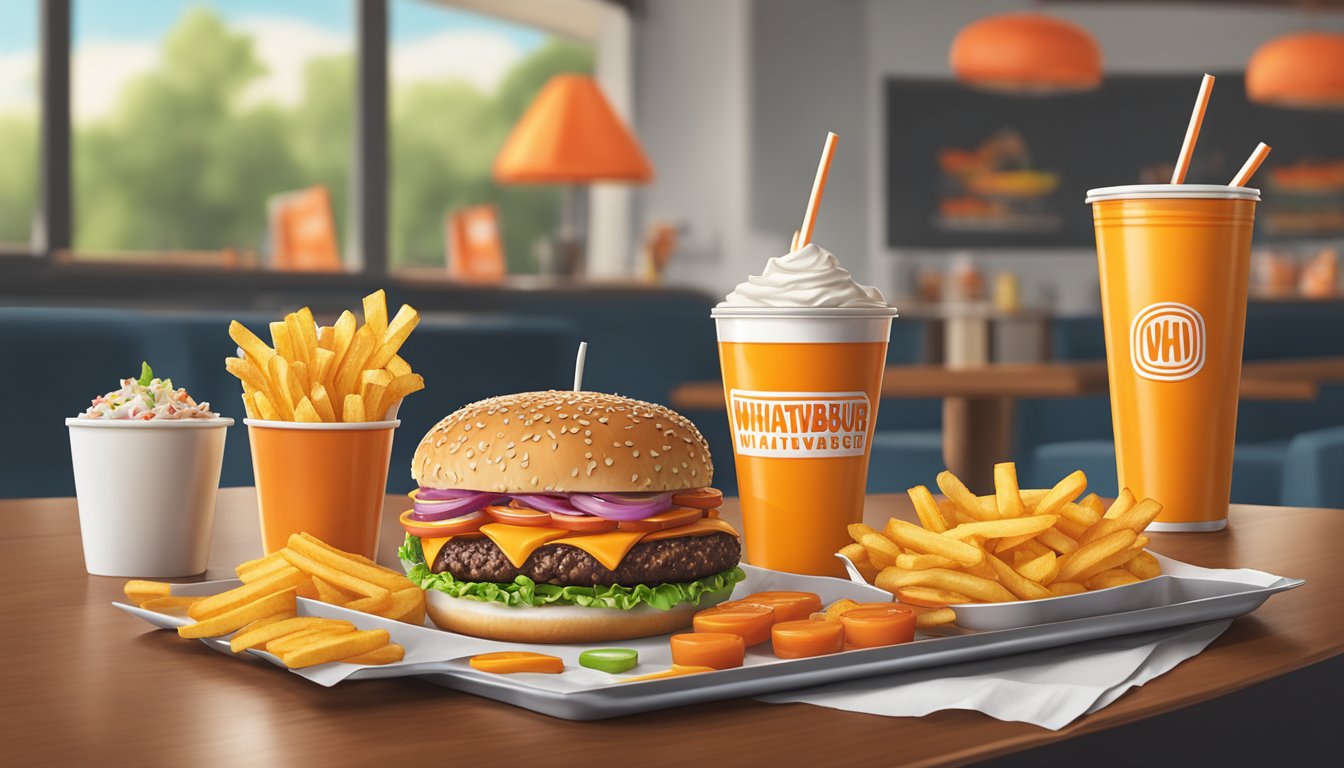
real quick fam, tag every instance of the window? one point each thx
(459, 82)
(197, 125)
(18, 122)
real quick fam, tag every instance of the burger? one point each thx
(567, 517)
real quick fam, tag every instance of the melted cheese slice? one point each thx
(432, 547)
(606, 548)
(701, 527)
(517, 542)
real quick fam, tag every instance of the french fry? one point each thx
(930, 597)
(911, 562)
(375, 312)
(1113, 577)
(1136, 518)
(400, 387)
(921, 541)
(291, 383)
(398, 367)
(281, 341)
(1121, 504)
(954, 489)
(1065, 490)
(855, 552)
(1080, 513)
(298, 372)
(333, 576)
(398, 330)
(388, 654)
(287, 643)
(1118, 560)
(1031, 498)
(835, 610)
(343, 332)
(353, 410)
(278, 370)
(335, 648)
(322, 404)
(253, 636)
(297, 339)
(255, 349)
(1071, 529)
(308, 332)
(403, 602)
(1057, 541)
(321, 374)
(138, 590)
(1040, 569)
(1016, 583)
(353, 362)
(1077, 564)
(1093, 502)
(927, 508)
(263, 622)
(170, 604)
(247, 372)
(1006, 495)
(228, 600)
(273, 560)
(250, 405)
(326, 338)
(998, 529)
(935, 617)
(1144, 565)
(273, 603)
(352, 556)
(1062, 588)
(329, 593)
(306, 589)
(877, 544)
(373, 388)
(305, 412)
(266, 568)
(967, 584)
(265, 407)
(334, 558)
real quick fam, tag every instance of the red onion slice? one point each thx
(634, 498)
(432, 511)
(620, 510)
(441, 494)
(548, 502)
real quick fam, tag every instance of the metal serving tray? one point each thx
(1188, 595)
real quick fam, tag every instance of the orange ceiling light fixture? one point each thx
(1304, 70)
(571, 135)
(1026, 52)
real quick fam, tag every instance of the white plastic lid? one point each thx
(1168, 191)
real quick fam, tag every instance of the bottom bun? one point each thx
(559, 623)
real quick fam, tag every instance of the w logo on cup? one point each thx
(1166, 342)
(797, 425)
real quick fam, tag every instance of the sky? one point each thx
(116, 40)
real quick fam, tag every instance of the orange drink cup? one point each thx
(1174, 263)
(326, 479)
(802, 387)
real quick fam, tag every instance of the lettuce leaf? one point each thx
(523, 591)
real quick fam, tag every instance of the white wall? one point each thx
(735, 96)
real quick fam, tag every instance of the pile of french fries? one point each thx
(332, 373)
(1012, 545)
(262, 610)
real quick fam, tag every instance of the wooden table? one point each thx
(979, 402)
(86, 684)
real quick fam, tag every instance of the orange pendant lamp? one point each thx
(1304, 70)
(1026, 52)
(571, 135)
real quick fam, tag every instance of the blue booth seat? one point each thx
(1313, 474)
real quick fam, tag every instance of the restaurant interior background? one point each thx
(169, 165)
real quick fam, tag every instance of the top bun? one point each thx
(560, 441)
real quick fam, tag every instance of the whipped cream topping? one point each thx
(809, 277)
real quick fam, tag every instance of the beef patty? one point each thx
(686, 558)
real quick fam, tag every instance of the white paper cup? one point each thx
(146, 493)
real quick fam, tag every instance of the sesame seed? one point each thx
(555, 446)
(675, 470)
(536, 438)
(608, 461)
(574, 472)
(657, 467)
(550, 434)
(534, 482)
(471, 465)
(466, 428)
(634, 478)
(587, 441)
(629, 444)
(591, 466)
(480, 425)
(636, 452)
(603, 420)
(470, 453)
(653, 453)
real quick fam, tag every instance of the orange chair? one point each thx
(475, 249)
(303, 231)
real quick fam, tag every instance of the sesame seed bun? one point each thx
(559, 441)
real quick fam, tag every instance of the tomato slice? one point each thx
(518, 515)
(509, 662)
(700, 498)
(711, 513)
(750, 622)
(789, 606)
(801, 639)
(468, 523)
(718, 650)
(672, 518)
(875, 626)
(582, 523)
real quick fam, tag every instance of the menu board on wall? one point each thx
(973, 168)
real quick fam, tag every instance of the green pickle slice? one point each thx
(612, 660)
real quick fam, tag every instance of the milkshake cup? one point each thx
(802, 348)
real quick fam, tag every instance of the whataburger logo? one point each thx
(1166, 342)
(798, 425)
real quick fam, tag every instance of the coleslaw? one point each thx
(147, 398)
